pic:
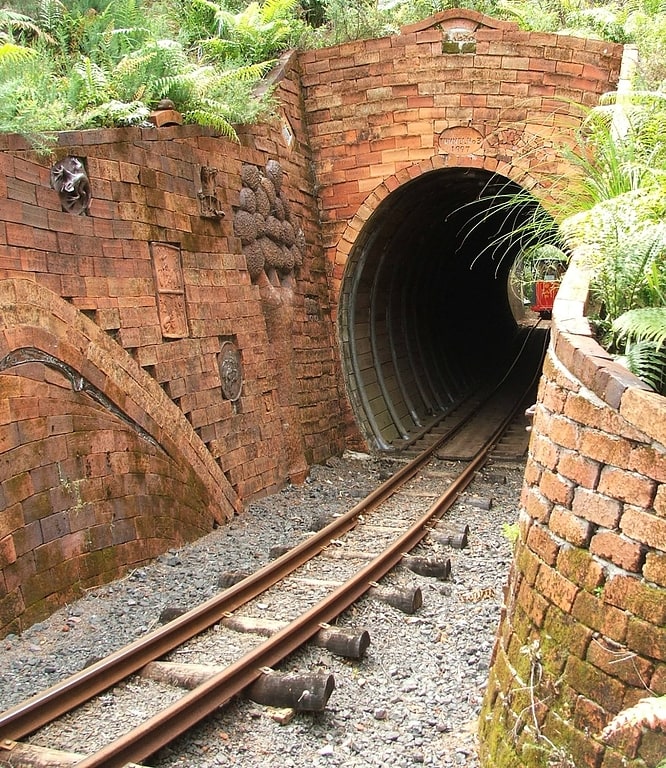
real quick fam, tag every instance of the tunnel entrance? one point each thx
(427, 315)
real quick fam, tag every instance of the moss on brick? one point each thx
(578, 565)
(563, 635)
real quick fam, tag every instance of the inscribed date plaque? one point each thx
(460, 140)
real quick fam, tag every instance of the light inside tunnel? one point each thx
(426, 316)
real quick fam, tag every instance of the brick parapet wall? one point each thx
(582, 635)
(118, 441)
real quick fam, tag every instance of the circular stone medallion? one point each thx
(231, 371)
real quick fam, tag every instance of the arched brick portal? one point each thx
(425, 312)
(403, 131)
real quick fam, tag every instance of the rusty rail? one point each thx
(163, 728)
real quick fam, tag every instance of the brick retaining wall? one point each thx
(118, 439)
(583, 632)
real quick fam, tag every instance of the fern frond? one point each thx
(115, 112)
(11, 54)
(89, 84)
(50, 15)
(646, 324)
(212, 120)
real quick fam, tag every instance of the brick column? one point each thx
(583, 634)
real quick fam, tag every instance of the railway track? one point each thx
(332, 568)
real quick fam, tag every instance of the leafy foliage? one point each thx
(622, 228)
(90, 63)
(253, 35)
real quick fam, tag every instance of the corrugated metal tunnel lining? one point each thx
(425, 314)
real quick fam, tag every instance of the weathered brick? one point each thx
(527, 563)
(625, 553)
(7, 551)
(591, 610)
(604, 448)
(579, 469)
(653, 747)
(621, 662)
(564, 432)
(556, 588)
(569, 526)
(626, 486)
(646, 411)
(660, 501)
(632, 594)
(647, 639)
(588, 752)
(557, 489)
(591, 682)
(648, 460)
(533, 604)
(654, 568)
(544, 451)
(543, 544)
(596, 508)
(645, 527)
(658, 680)
(578, 565)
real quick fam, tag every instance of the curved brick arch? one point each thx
(348, 238)
(459, 18)
(35, 318)
(409, 243)
(101, 471)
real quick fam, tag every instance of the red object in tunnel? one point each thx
(544, 295)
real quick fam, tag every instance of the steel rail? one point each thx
(46, 706)
(43, 708)
(167, 725)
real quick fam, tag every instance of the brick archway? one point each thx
(513, 172)
(424, 313)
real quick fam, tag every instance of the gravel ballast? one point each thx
(412, 700)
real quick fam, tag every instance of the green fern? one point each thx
(642, 333)
(89, 85)
(255, 34)
(12, 54)
(115, 113)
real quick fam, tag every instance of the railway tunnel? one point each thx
(428, 311)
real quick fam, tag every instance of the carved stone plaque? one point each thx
(460, 140)
(231, 371)
(70, 181)
(170, 290)
(173, 319)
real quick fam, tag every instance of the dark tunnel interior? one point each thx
(426, 312)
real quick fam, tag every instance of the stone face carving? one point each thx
(272, 242)
(70, 181)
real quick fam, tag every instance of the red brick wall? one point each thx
(356, 122)
(583, 636)
(118, 441)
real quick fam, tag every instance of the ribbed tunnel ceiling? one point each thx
(425, 314)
